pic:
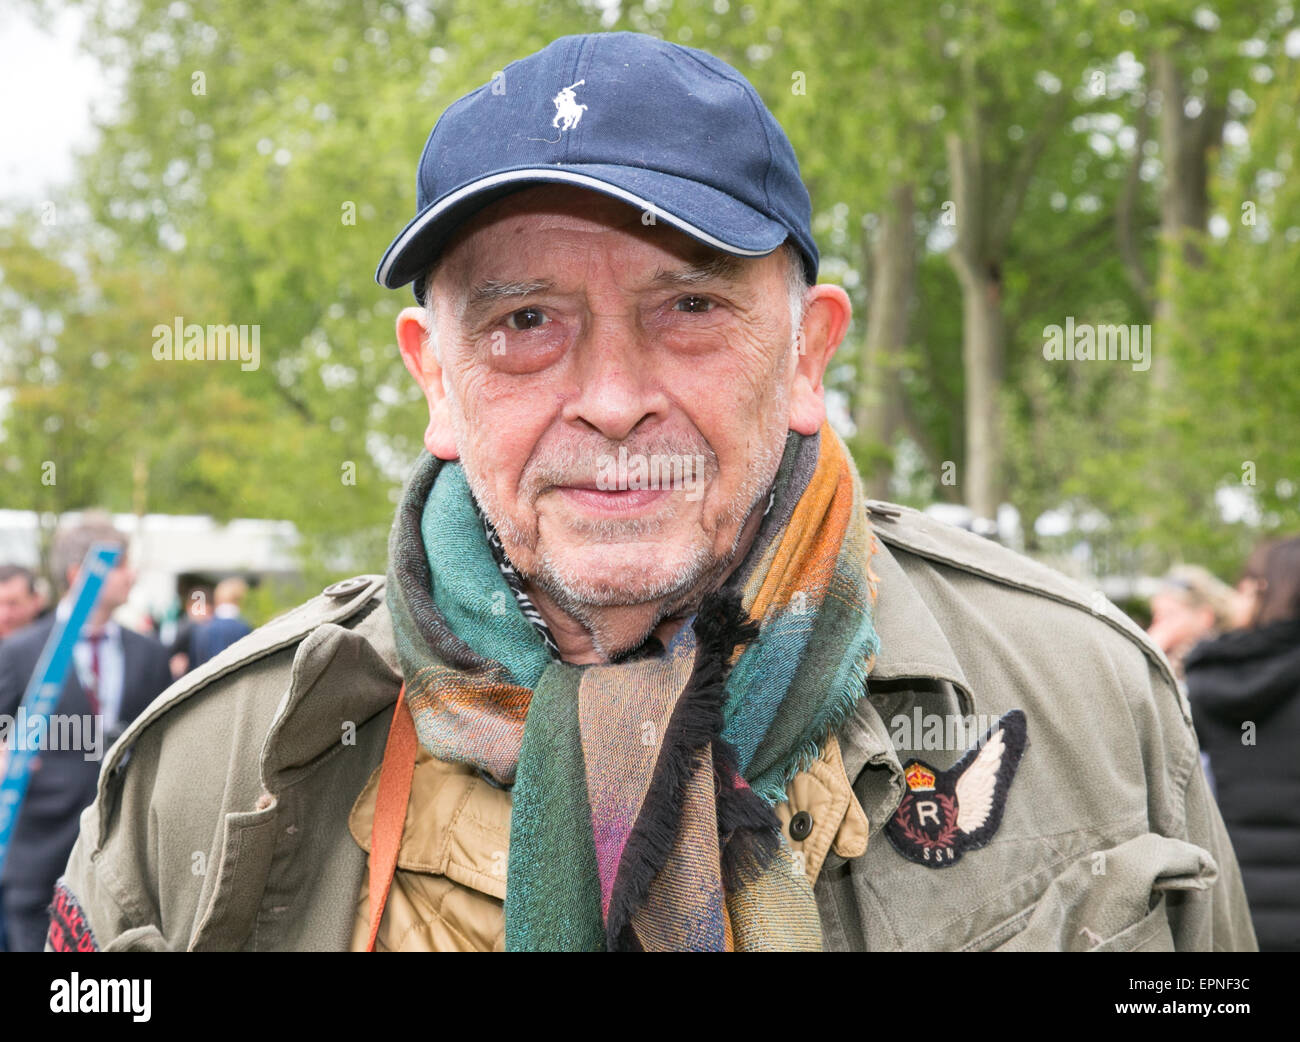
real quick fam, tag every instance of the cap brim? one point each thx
(705, 214)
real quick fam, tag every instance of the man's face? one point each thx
(118, 581)
(117, 584)
(618, 394)
(18, 605)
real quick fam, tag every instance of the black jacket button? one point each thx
(801, 826)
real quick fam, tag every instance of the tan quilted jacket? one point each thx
(450, 882)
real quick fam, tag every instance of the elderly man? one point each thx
(647, 671)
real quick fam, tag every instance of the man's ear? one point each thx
(827, 311)
(417, 354)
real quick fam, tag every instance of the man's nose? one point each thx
(617, 387)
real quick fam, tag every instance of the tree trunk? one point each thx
(1185, 143)
(982, 325)
(988, 197)
(878, 411)
(983, 337)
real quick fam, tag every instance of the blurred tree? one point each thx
(980, 170)
(260, 161)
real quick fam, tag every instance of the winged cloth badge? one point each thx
(946, 813)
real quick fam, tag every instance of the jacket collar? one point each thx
(914, 655)
(912, 643)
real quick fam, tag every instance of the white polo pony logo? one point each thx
(567, 109)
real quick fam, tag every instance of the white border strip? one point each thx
(551, 174)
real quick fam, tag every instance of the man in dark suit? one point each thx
(210, 638)
(116, 673)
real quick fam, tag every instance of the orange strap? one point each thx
(390, 810)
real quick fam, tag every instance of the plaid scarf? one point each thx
(643, 791)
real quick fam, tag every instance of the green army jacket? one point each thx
(221, 820)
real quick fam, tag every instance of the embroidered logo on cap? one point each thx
(946, 813)
(567, 109)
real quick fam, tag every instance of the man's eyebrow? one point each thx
(491, 291)
(719, 266)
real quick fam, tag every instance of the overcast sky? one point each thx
(46, 91)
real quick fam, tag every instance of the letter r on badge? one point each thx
(927, 809)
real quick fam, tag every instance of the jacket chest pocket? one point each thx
(1085, 894)
(1117, 899)
(450, 884)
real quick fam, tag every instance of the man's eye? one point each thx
(697, 305)
(526, 318)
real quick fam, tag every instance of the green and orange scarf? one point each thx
(642, 792)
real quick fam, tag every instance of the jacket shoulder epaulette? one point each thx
(924, 536)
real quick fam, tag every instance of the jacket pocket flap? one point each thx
(457, 825)
(1115, 898)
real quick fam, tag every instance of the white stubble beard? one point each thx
(569, 586)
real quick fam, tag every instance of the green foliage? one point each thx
(263, 156)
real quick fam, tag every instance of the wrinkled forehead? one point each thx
(501, 237)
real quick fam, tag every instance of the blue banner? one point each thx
(46, 684)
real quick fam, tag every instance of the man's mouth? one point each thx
(590, 499)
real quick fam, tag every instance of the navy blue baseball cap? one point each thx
(669, 129)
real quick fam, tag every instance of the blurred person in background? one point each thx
(1250, 587)
(207, 639)
(116, 674)
(20, 599)
(20, 603)
(180, 649)
(1244, 689)
(1190, 606)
